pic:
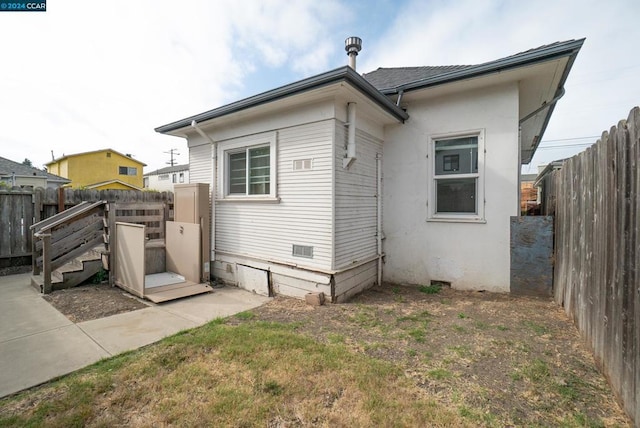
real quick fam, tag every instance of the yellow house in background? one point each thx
(100, 169)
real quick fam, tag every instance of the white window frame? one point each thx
(477, 217)
(226, 148)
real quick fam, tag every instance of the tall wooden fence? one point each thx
(20, 208)
(597, 207)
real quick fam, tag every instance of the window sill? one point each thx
(461, 219)
(267, 200)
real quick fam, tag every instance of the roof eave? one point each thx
(572, 57)
(346, 74)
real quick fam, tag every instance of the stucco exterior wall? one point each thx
(469, 255)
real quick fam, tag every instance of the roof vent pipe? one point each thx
(353, 45)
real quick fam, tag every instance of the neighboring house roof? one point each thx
(95, 151)
(551, 166)
(524, 178)
(342, 74)
(168, 170)
(105, 183)
(9, 167)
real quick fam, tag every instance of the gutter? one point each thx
(519, 60)
(343, 74)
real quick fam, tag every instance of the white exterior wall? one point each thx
(356, 202)
(303, 214)
(469, 255)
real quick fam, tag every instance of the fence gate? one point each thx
(16, 216)
(532, 255)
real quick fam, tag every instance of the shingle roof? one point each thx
(391, 80)
(9, 167)
(384, 78)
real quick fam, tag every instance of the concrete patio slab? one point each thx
(26, 315)
(131, 330)
(38, 343)
(222, 302)
(37, 358)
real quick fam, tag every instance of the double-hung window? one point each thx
(249, 171)
(457, 182)
(249, 167)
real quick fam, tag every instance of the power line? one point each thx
(172, 152)
(569, 139)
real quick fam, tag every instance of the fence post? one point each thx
(46, 263)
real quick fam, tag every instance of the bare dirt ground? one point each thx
(495, 357)
(93, 301)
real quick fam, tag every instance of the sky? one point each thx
(92, 75)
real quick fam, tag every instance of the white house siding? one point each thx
(166, 185)
(469, 255)
(267, 230)
(356, 202)
(200, 164)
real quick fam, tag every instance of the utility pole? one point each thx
(172, 153)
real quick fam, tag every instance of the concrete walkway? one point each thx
(38, 343)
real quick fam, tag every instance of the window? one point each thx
(249, 171)
(247, 168)
(457, 186)
(173, 178)
(182, 177)
(127, 170)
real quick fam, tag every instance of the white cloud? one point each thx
(89, 75)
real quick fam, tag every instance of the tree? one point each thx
(27, 162)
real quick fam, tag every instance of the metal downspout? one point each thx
(214, 180)
(351, 136)
(379, 214)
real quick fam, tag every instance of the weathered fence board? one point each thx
(16, 216)
(596, 202)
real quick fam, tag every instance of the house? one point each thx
(17, 174)
(100, 170)
(163, 179)
(529, 194)
(409, 175)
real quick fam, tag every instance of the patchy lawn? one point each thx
(394, 356)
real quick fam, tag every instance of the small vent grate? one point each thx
(303, 251)
(301, 164)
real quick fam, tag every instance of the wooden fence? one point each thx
(20, 208)
(597, 207)
(16, 215)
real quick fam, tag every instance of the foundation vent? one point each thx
(303, 251)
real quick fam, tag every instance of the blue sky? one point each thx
(90, 75)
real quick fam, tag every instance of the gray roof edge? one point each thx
(572, 58)
(532, 56)
(343, 73)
